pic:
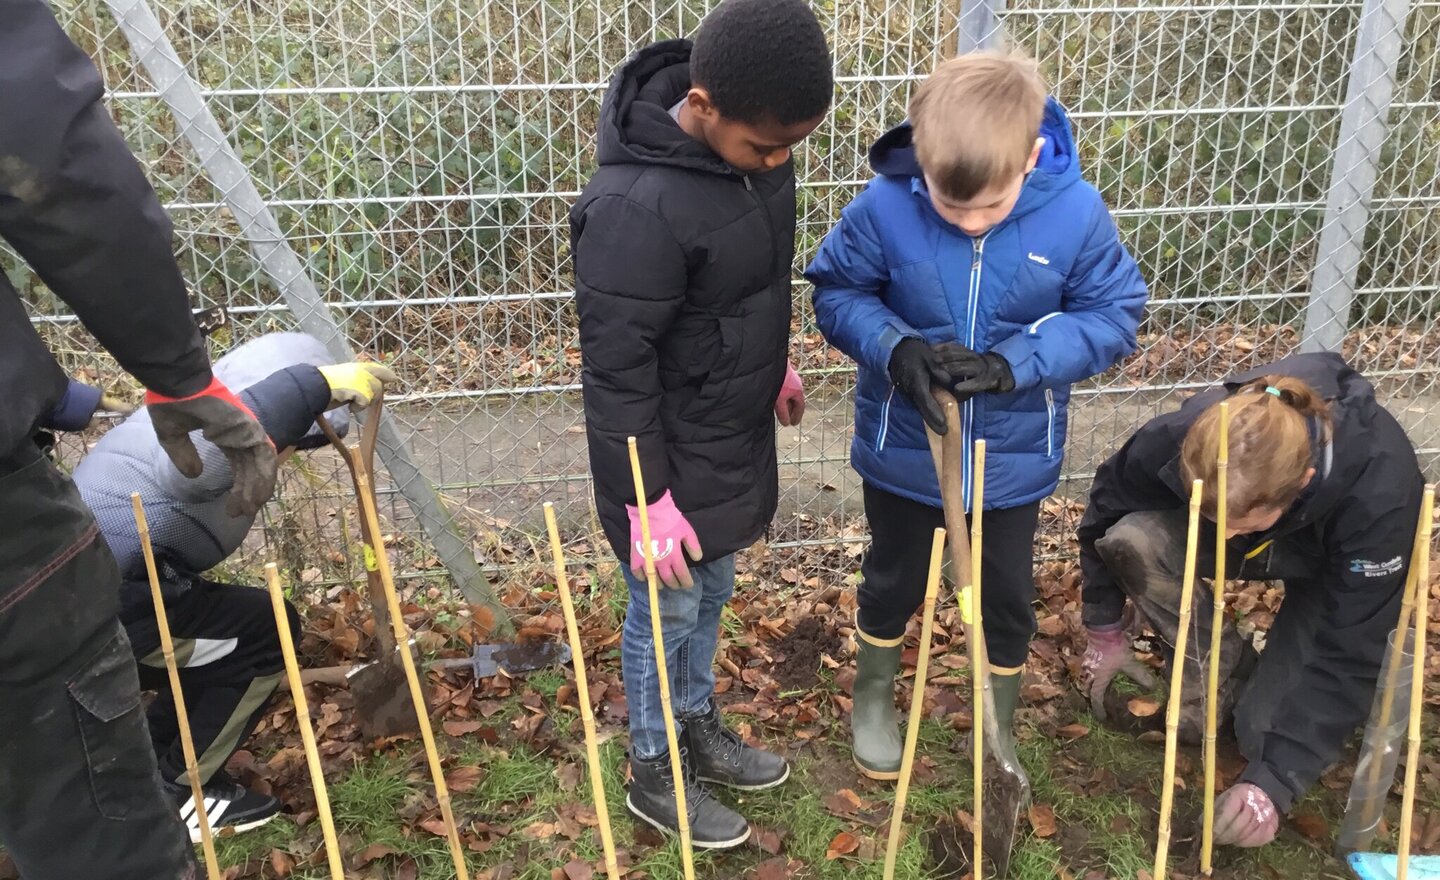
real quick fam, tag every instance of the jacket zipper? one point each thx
(1050, 431)
(977, 269)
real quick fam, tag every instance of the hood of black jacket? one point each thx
(635, 123)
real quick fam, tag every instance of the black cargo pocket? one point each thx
(118, 754)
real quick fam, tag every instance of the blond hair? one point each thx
(976, 119)
(1271, 449)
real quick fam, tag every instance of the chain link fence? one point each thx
(420, 157)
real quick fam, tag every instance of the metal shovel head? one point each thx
(517, 658)
(1377, 866)
(383, 706)
(1005, 794)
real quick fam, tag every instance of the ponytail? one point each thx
(1272, 444)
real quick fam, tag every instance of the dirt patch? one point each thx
(797, 654)
(949, 845)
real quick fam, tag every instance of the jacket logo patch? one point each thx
(1377, 569)
(1034, 257)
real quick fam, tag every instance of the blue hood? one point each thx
(893, 155)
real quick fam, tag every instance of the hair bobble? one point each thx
(1271, 389)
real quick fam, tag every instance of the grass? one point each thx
(1111, 832)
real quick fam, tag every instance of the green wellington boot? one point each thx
(874, 724)
(1006, 690)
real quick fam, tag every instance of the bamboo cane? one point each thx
(1217, 620)
(1417, 683)
(1172, 714)
(979, 660)
(582, 693)
(676, 768)
(302, 717)
(167, 647)
(364, 487)
(917, 702)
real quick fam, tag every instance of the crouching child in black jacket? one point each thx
(683, 244)
(1323, 494)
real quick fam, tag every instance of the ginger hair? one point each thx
(975, 121)
(1270, 445)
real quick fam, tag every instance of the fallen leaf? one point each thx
(842, 844)
(1073, 731)
(843, 803)
(461, 728)
(1042, 820)
(1312, 825)
(779, 868)
(463, 779)
(1143, 707)
(767, 839)
(281, 863)
(372, 852)
(578, 870)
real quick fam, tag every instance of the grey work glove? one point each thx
(1107, 654)
(226, 422)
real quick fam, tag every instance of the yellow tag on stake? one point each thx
(965, 613)
(370, 562)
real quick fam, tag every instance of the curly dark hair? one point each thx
(764, 60)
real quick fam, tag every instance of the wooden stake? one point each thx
(1172, 714)
(302, 717)
(1217, 620)
(364, 487)
(917, 702)
(979, 660)
(582, 693)
(676, 769)
(1417, 682)
(167, 647)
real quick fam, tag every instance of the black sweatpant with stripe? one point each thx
(896, 565)
(228, 651)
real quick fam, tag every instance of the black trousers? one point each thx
(79, 791)
(228, 651)
(898, 561)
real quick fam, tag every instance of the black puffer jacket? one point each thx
(682, 277)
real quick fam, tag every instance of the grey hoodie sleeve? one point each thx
(286, 403)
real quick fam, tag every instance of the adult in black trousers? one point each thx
(79, 791)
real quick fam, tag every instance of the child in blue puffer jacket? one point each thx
(978, 260)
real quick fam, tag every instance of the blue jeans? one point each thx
(690, 627)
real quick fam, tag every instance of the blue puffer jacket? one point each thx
(1051, 288)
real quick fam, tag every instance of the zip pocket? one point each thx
(1050, 423)
(884, 421)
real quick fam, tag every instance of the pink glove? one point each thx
(669, 531)
(1245, 817)
(790, 405)
(1108, 653)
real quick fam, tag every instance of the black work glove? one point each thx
(230, 425)
(914, 369)
(972, 372)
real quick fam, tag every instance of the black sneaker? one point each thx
(721, 757)
(228, 805)
(652, 799)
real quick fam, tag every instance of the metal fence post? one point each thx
(230, 176)
(979, 25)
(1364, 126)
